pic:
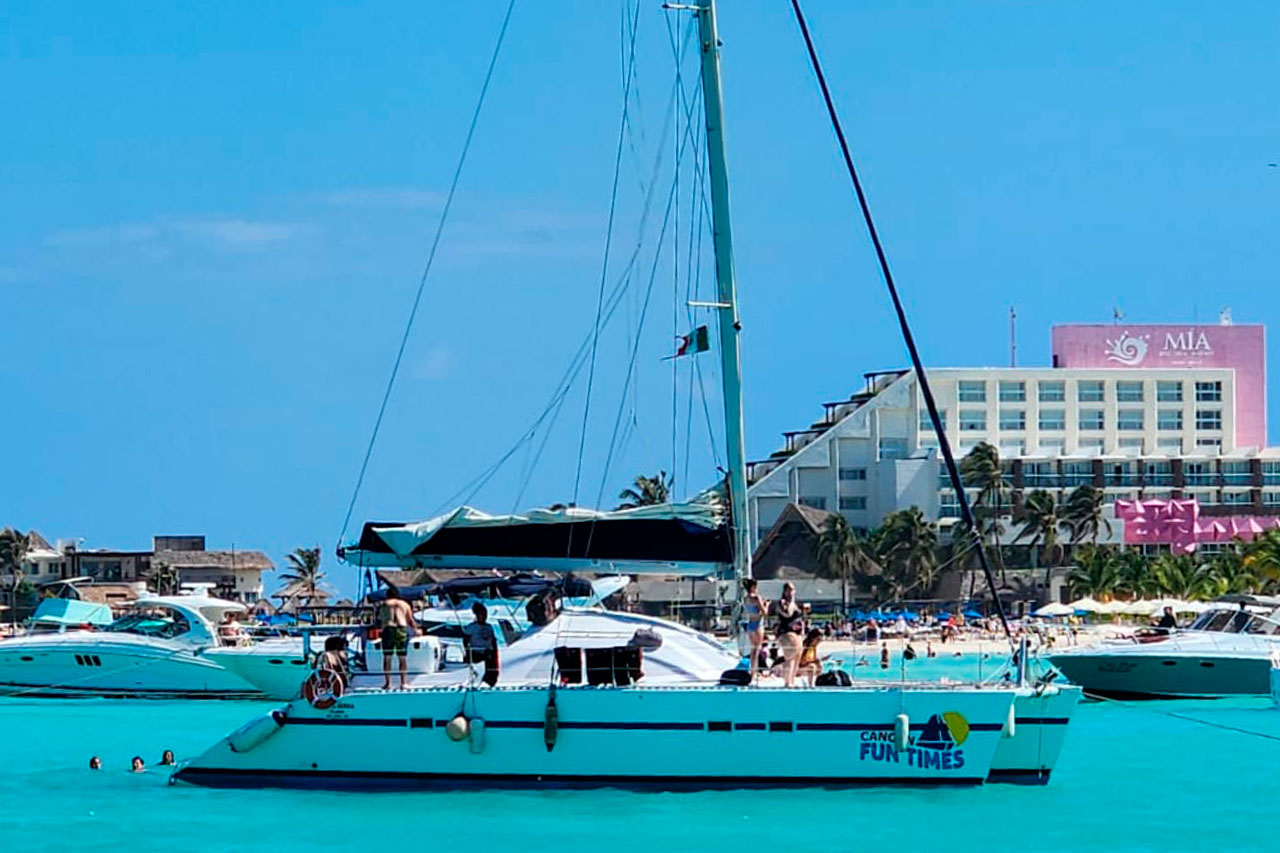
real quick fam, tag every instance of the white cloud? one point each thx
(240, 233)
(438, 363)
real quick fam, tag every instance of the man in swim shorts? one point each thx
(396, 620)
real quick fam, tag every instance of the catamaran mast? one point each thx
(726, 289)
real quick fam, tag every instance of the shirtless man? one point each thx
(397, 619)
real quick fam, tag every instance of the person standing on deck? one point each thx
(790, 628)
(481, 643)
(397, 619)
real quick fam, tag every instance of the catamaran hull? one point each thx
(1028, 753)
(667, 738)
(116, 671)
(1172, 676)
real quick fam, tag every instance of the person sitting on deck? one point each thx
(481, 643)
(230, 631)
(334, 656)
(810, 665)
(1168, 621)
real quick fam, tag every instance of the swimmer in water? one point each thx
(137, 766)
(95, 763)
(166, 760)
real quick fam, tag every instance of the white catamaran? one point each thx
(593, 698)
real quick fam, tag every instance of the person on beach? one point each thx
(753, 610)
(95, 763)
(480, 643)
(136, 766)
(166, 759)
(790, 630)
(397, 619)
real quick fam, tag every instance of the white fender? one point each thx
(902, 732)
(1010, 722)
(254, 732)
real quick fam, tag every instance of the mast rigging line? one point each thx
(426, 271)
(953, 472)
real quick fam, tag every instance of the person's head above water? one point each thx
(167, 757)
(481, 612)
(95, 763)
(137, 766)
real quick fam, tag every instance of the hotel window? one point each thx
(973, 420)
(1271, 498)
(926, 422)
(1094, 442)
(1053, 391)
(1208, 418)
(1052, 445)
(1091, 419)
(1208, 392)
(1129, 419)
(1169, 419)
(1208, 442)
(1237, 498)
(1013, 392)
(1013, 419)
(1011, 449)
(858, 502)
(1090, 391)
(1174, 444)
(853, 474)
(1271, 472)
(1130, 442)
(815, 502)
(1053, 419)
(971, 391)
(893, 448)
(1168, 391)
(1129, 392)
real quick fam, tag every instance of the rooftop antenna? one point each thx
(1013, 337)
(1224, 317)
(1116, 315)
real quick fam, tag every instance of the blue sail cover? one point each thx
(686, 539)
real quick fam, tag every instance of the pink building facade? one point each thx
(1240, 348)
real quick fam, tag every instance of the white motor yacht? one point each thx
(156, 649)
(1226, 651)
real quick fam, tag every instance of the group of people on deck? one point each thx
(797, 642)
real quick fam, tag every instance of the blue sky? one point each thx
(215, 217)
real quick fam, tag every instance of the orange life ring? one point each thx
(324, 687)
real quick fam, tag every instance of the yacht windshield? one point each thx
(1212, 620)
(155, 622)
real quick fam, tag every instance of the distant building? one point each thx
(234, 574)
(1139, 411)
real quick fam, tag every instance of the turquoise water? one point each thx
(1132, 777)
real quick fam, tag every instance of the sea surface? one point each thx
(1166, 776)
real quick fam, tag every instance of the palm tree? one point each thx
(14, 546)
(909, 551)
(304, 569)
(1262, 556)
(839, 550)
(1182, 577)
(1095, 573)
(1134, 574)
(981, 469)
(1040, 524)
(164, 579)
(1082, 515)
(646, 491)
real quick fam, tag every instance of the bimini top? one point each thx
(688, 539)
(494, 587)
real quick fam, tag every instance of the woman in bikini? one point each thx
(753, 610)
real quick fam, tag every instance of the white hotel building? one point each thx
(1138, 411)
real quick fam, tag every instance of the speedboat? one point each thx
(1226, 651)
(597, 698)
(156, 649)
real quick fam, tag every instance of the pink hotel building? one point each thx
(1144, 412)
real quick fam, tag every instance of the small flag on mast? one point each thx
(696, 341)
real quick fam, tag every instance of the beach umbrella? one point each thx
(1112, 607)
(1088, 604)
(1139, 608)
(1055, 609)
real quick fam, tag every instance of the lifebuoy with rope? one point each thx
(324, 687)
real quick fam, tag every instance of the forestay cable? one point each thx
(426, 271)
